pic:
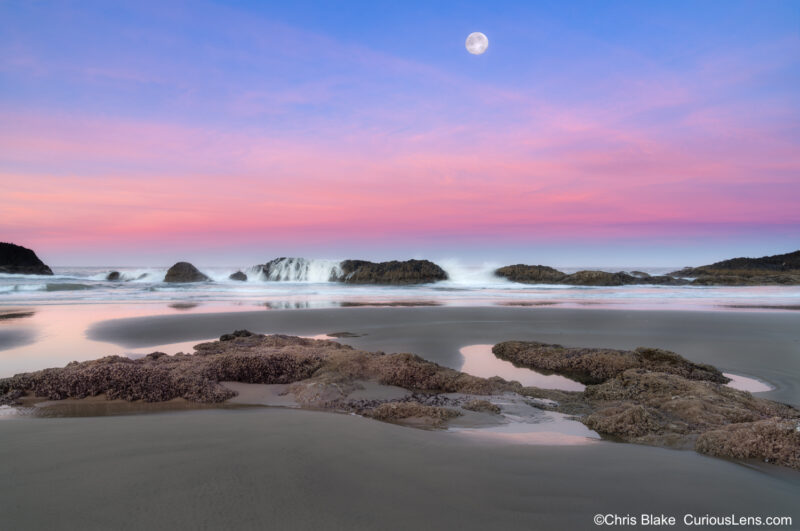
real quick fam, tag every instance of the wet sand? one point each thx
(763, 345)
(268, 467)
(275, 468)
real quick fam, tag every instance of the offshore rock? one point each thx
(184, 272)
(531, 274)
(352, 271)
(394, 272)
(539, 274)
(240, 276)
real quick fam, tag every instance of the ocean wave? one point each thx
(465, 275)
(144, 275)
(298, 270)
(65, 286)
(306, 282)
(15, 276)
(22, 287)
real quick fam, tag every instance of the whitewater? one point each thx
(302, 283)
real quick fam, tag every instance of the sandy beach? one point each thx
(276, 468)
(258, 467)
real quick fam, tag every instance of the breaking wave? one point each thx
(299, 270)
(64, 286)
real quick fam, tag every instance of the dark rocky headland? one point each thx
(779, 269)
(19, 260)
(782, 269)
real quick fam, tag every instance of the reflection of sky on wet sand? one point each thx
(743, 383)
(520, 433)
(57, 334)
(525, 424)
(480, 361)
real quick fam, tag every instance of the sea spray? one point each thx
(471, 275)
(299, 270)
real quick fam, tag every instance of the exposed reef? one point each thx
(19, 260)
(596, 365)
(657, 397)
(433, 416)
(184, 272)
(322, 374)
(647, 396)
(483, 406)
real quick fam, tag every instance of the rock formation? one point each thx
(113, 276)
(243, 356)
(184, 272)
(241, 277)
(781, 269)
(482, 406)
(657, 397)
(394, 272)
(322, 374)
(539, 274)
(531, 274)
(596, 365)
(646, 396)
(353, 271)
(20, 260)
(433, 416)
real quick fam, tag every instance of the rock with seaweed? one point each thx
(653, 396)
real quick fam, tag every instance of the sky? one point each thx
(589, 133)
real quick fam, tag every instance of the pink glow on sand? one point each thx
(480, 361)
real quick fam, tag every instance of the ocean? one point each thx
(304, 284)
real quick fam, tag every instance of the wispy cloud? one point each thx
(264, 132)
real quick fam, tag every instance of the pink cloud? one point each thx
(68, 178)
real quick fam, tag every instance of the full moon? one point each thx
(477, 43)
